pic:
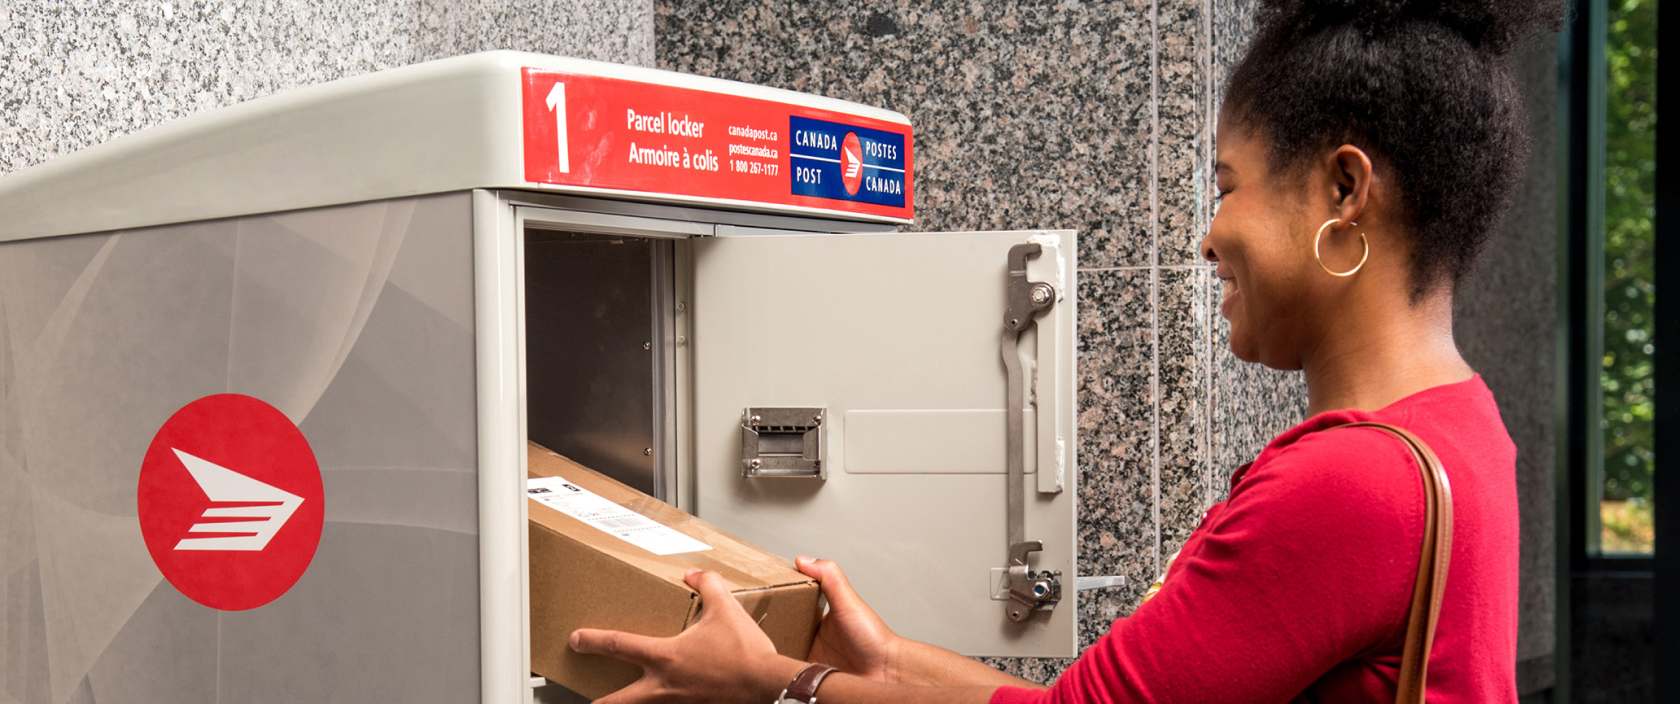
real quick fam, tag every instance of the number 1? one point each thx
(557, 105)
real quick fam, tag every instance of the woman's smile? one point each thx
(1228, 291)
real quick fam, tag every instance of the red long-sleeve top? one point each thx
(1296, 588)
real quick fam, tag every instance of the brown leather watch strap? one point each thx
(803, 688)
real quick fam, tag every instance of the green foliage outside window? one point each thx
(1629, 284)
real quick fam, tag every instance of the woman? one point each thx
(1366, 150)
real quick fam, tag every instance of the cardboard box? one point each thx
(582, 575)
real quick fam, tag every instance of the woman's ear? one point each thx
(1349, 171)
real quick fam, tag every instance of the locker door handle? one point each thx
(1025, 301)
(1049, 371)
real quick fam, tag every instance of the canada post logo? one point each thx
(230, 502)
(233, 496)
(846, 162)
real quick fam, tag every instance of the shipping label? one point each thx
(609, 517)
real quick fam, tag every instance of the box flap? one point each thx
(785, 613)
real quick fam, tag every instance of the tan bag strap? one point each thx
(1432, 566)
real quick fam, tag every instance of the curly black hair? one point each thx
(1423, 86)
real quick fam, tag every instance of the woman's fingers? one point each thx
(642, 690)
(629, 647)
(835, 587)
(715, 596)
(705, 662)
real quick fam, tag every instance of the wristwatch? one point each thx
(803, 688)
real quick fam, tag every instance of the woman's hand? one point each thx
(852, 636)
(723, 657)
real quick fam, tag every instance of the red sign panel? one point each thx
(230, 502)
(633, 136)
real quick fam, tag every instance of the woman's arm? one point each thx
(724, 657)
(927, 664)
(853, 638)
(844, 688)
(1309, 564)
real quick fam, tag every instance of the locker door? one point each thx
(850, 402)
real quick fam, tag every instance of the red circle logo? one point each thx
(851, 163)
(230, 502)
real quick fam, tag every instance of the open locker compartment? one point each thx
(597, 324)
(595, 314)
(895, 337)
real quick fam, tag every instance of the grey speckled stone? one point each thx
(1040, 670)
(620, 31)
(1232, 23)
(81, 73)
(1098, 609)
(1026, 114)
(1182, 332)
(1116, 428)
(1185, 133)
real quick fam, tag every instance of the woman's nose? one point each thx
(1207, 249)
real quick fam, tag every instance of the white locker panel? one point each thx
(896, 337)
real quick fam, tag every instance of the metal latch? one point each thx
(783, 442)
(1025, 301)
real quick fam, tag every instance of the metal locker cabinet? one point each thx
(353, 254)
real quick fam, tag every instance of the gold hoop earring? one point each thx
(1320, 259)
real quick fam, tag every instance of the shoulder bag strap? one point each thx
(1432, 566)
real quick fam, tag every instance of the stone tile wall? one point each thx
(81, 72)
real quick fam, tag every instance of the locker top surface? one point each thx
(486, 120)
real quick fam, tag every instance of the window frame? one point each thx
(1666, 368)
(1581, 180)
(1583, 76)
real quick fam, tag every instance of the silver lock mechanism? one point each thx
(783, 442)
(1024, 301)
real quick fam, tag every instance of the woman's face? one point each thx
(1261, 240)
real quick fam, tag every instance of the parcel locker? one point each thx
(267, 377)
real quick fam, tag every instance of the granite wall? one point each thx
(1099, 116)
(81, 72)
